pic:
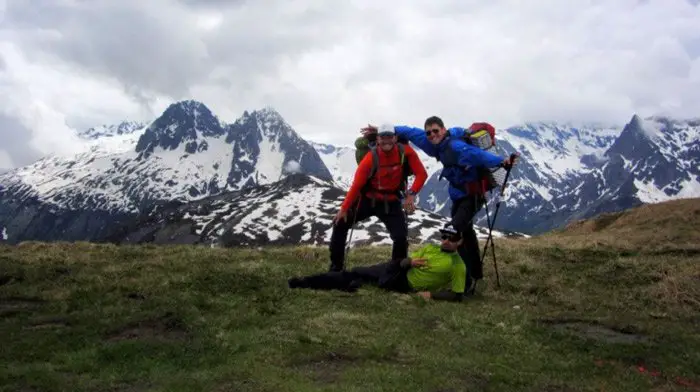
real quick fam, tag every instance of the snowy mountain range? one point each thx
(131, 171)
(188, 174)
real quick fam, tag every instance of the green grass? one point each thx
(84, 317)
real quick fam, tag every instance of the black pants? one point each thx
(389, 276)
(389, 212)
(463, 212)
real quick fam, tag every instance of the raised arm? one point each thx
(416, 136)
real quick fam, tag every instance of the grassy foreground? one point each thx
(85, 317)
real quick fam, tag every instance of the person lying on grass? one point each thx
(433, 271)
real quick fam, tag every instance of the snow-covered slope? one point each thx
(296, 210)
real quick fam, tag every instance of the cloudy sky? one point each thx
(329, 66)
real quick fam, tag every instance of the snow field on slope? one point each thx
(196, 169)
(54, 174)
(270, 161)
(558, 163)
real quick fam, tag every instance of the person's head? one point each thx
(435, 129)
(386, 137)
(450, 238)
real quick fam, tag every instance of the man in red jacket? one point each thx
(379, 196)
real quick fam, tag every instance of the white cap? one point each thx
(386, 129)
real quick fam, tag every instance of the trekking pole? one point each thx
(493, 222)
(489, 237)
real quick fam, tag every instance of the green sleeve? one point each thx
(459, 276)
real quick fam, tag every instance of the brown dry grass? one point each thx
(672, 226)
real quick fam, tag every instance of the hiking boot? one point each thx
(335, 267)
(471, 288)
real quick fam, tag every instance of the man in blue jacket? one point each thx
(460, 163)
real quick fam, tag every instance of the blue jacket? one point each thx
(467, 156)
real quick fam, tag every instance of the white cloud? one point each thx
(330, 67)
(292, 167)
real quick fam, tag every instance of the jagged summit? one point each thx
(267, 119)
(182, 123)
(189, 107)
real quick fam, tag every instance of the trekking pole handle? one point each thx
(513, 157)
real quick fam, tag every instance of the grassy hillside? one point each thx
(568, 317)
(668, 226)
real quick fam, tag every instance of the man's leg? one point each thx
(341, 280)
(395, 222)
(463, 212)
(370, 274)
(334, 280)
(339, 236)
(388, 276)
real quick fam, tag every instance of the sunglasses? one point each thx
(432, 131)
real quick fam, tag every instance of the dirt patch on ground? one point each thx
(596, 331)
(165, 328)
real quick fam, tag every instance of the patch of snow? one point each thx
(649, 193)
(541, 190)
(689, 189)
(270, 160)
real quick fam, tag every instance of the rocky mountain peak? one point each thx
(184, 122)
